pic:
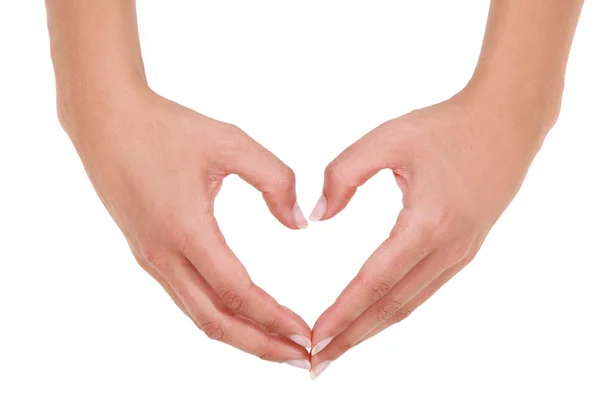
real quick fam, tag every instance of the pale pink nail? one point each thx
(318, 369)
(299, 217)
(303, 364)
(321, 345)
(319, 210)
(301, 340)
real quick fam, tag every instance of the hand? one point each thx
(157, 166)
(458, 164)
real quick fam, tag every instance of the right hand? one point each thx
(157, 167)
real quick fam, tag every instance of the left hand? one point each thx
(459, 164)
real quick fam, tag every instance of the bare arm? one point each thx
(96, 54)
(525, 52)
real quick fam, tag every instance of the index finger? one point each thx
(225, 274)
(397, 255)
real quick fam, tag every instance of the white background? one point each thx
(80, 320)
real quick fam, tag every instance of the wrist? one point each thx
(535, 102)
(91, 101)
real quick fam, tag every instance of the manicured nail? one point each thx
(301, 340)
(303, 364)
(299, 217)
(319, 210)
(318, 369)
(321, 345)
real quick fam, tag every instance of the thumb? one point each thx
(269, 175)
(350, 170)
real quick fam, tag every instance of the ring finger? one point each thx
(219, 323)
(386, 309)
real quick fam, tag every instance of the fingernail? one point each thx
(318, 369)
(319, 210)
(321, 345)
(299, 217)
(303, 364)
(301, 340)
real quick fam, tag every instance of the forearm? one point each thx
(95, 52)
(524, 55)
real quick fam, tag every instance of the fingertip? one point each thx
(283, 349)
(299, 217)
(319, 210)
(318, 347)
(332, 349)
(318, 369)
(302, 364)
(286, 212)
(324, 326)
(334, 199)
(300, 328)
(301, 340)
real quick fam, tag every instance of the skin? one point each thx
(157, 167)
(458, 163)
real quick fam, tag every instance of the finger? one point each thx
(269, 175)
(228, 278)
(163, 282)
(421, 298)
(406, 246)
(165, 285)
(219, 323)
(350, 170)
(387, 308)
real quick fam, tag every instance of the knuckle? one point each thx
(334, 173)
(214, 330)
(409, 308)
(152, 254)
(399, 316)
(469, 257)
(428, 233)
(164, 233)
(439, 225)
(389, 309)
(345, 346)
(233, 299)
(379, 289)
(229, 138)
(149, 254)
(345, 322)
(62, 116)
(402, 314)
(178, 237)
(232, 129)
(283, 180)
(286, 179)
(462, 250)
(272, 325)
(267, 351)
